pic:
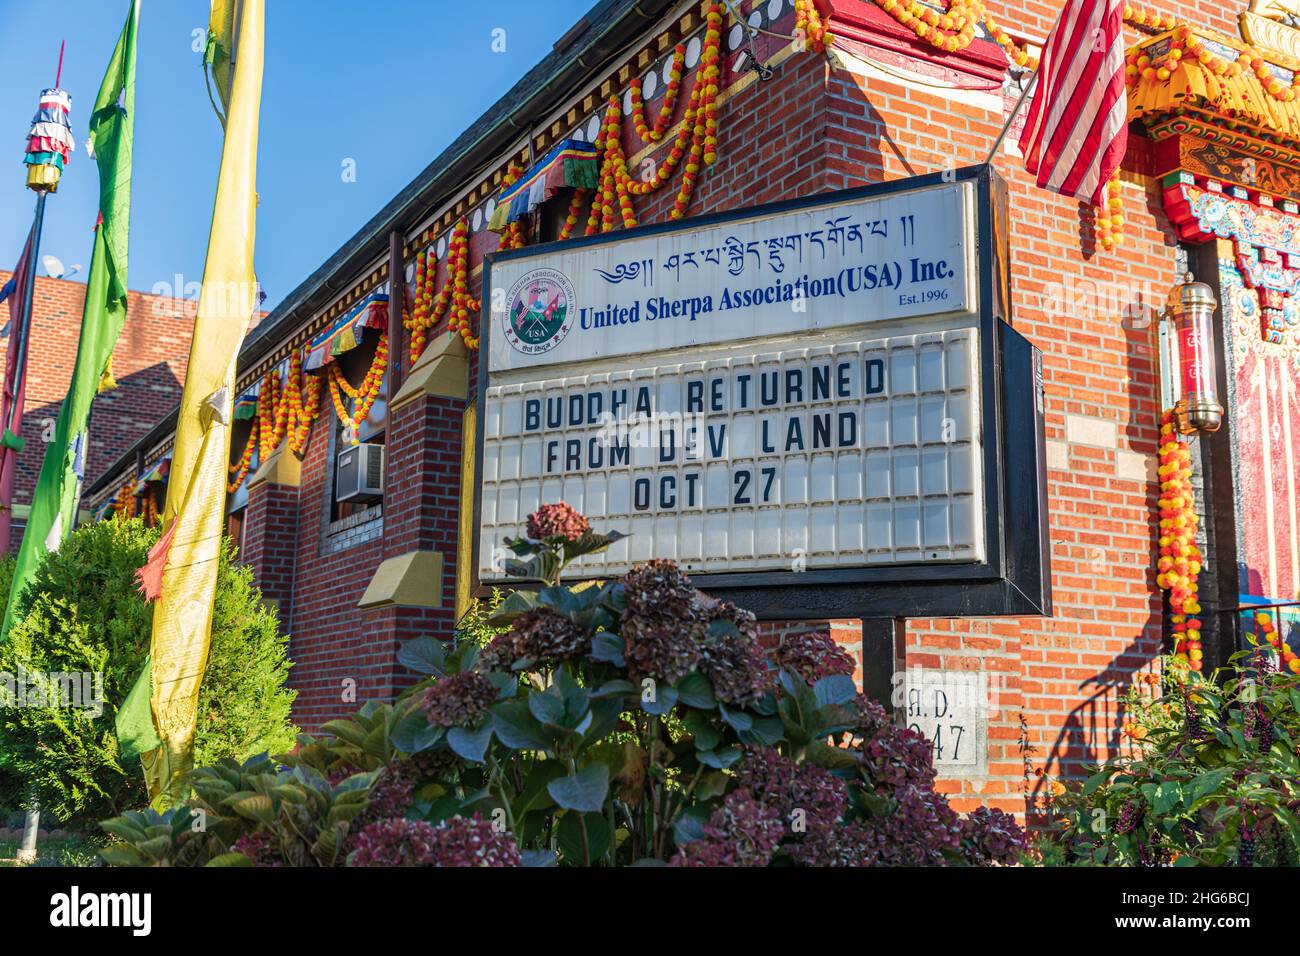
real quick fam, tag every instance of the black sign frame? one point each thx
(1014, 578)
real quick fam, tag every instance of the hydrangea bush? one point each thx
(628, 722)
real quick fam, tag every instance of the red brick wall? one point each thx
(149, 365)
(808, 130)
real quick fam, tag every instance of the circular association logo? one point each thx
(540, 311)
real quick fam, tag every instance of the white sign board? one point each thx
(794, 391)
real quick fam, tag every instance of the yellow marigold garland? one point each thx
(1110, 216)
(1265, 626)
(699, 127)
(304, 403)
(1179, 563)
(457, 285)
(654, 134)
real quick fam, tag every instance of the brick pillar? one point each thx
(413, 591)
(271, 530)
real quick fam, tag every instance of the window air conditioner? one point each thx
(360, 473)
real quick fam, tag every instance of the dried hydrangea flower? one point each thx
(816, 794)
(813, 655)
(742, 832)
(458, 841)
(734, 663)
(658, 588)
(538, 634)
(457, 699)
(663, 627)
(559, 520)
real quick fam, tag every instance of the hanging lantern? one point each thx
(1191, 310)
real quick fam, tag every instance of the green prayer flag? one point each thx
(54, 502)
(134, 722)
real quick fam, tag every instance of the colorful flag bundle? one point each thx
(570, 162)
(50, 140)
(1077, 129)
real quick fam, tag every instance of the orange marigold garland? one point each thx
(240, 469)
(148, 509)
(304, 403)
(125, 502)
(699, 126)
(808, 24)
(363, 396)
(1179, 563)
(516, 236)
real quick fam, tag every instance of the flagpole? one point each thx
(43, 179)
(18, 342)
(1015, 111)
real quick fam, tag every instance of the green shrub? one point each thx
(84, 614)
(1212, 777)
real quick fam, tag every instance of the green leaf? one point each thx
(546, 707)
(1095, 781)
(835, 689)
(516, 727)
(229, 859)
(696, 690)
(470, 744)
(765, 732)
(255, 807)
(515, 604)
(584, 791)
(569, 836)
(662, 702)
(1204, 784)
(608, 647)
(738, 719)
(614, 688)
(720, 759)
(414, 734)
(702, 730)
(689, 827)
(424, 655)
(1168, 795)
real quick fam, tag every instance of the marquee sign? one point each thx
(798, 403)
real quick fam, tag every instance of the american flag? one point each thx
(1077, 129)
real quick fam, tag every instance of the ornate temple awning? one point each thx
(346, 334)
(1193, 82)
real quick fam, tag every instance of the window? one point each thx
(549, 218)
(348, 500)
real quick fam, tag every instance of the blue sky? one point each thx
(387, 83)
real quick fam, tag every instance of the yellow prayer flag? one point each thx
(187, 554)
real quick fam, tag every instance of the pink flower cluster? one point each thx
(559, 520)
